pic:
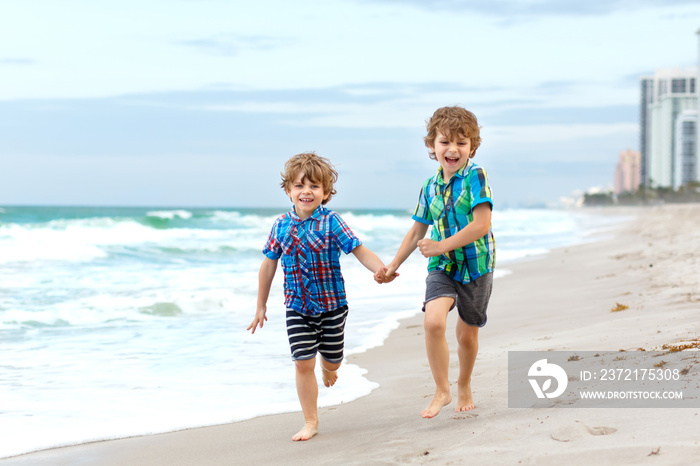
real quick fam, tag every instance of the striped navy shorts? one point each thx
(323, 333)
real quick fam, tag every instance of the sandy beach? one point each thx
(561, 301)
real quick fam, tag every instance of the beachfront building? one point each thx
(628, 172)
(664, 96)
(686, 158)
(697, 121)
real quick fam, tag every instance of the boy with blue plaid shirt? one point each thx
(309, 240)
(457, 203)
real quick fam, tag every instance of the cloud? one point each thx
(387, 88)
(16, 61)
(532, 8)
(533, 115)
(555, 87)
(381, 125)
(232, 45)
(402, 105)
(191, 120)
(555, 133)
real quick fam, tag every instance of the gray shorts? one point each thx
(471, 298)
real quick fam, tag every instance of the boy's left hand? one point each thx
(429, 248)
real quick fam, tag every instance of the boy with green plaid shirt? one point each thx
(457, 203)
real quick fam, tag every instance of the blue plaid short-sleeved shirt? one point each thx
(448, 207)
(310, 251)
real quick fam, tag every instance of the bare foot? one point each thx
(465, 402)
(440, 400)
(329, 377)
(309, 430)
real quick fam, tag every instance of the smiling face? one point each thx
(452, 154)
(306, 195)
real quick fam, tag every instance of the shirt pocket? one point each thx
(463, 204)
(287, 245)
(317, 240)
(437, 207)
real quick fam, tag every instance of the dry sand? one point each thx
(561, 301)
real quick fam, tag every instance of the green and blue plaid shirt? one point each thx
(449, 207)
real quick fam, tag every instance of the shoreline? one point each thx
(558, 301)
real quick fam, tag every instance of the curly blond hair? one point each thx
(316, 169)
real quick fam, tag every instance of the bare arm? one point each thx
(265, 277)
(408, 245)
(477, 228)
(368, 259)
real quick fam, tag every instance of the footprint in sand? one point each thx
(580, 430)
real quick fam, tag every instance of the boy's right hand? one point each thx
(259, 319)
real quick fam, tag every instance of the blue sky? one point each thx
(200, 102)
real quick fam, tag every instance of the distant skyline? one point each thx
(200, 102)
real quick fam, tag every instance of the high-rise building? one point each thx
(686, 158)
(697, 121)
(628, 171)
(647, 88)
(664, 97)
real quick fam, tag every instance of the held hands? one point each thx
(386, 274)
(259, 319)
(427, 247)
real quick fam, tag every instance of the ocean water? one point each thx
(117, 322)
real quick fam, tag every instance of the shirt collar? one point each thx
(461, 173)
(318, 213)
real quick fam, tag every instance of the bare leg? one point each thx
(330, 372)
(468, 339)
(307, 389)
(435, 324)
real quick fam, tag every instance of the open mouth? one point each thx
(306, 201)
(452, 160)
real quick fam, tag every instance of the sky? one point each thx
(200, 102)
